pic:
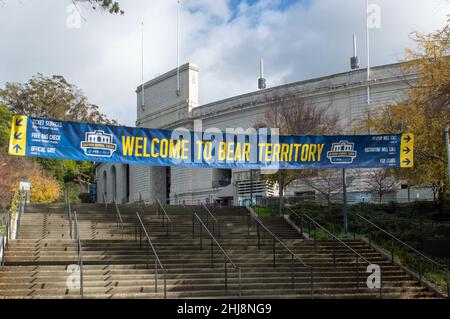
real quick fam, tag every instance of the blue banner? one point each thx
(57, 139)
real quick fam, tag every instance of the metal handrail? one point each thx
(252, 214)
(141, 201)
(444, 266)
(218, 203)
(214, 219)
(119, 219)
(22, 205)
(69, 215)
(4, 242)
(358, 255)
(164, 216)
(80, 252)
(226, 257)
(157, 260)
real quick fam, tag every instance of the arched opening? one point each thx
(104, 198)
(113, 183)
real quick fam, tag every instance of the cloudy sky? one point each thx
(299, 39)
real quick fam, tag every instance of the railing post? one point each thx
(357, 272)
(309, 229)
(420, 273)
(226, 273)
(212, 253)
(156, 275)
(201, 237)
(448, 284)
(140, 237)
(146, 254)
(315, 243)
(273, 251)
(165, 285)
(381, 284)
(239, 282)
(218, 230)
(81, 280)
(193, 226)
(392, 251)
(334, 253)
(301, 226)
(292, 271)
(311, 275)
(257, 231)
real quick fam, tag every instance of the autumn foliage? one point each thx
(426, 113)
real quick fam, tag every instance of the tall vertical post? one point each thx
(448, 151)
(142, 69)
(251, 187)
(368, 63)
(280, 193)
(344, 200)
(178, 49)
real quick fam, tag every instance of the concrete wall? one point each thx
(115, 186)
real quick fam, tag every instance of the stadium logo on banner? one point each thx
(342, 153)
(98, 143)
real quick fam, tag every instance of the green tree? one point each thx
(426, 113)
(53, 97)
(108, 5)
(5, 125)
(50, 97)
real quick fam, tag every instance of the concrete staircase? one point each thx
(116, 265)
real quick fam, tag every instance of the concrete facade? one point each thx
(165, 107)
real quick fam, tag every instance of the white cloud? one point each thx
(103, 56)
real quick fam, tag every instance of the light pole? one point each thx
(448, 150)
(344, 199)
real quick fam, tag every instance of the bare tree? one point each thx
(329, 182)
(292, 115)
(381, 181)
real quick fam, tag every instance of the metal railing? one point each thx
(157, 260)
(294, 256)
(218, 203)
(79, 251)
(4, 240)
(168, 225)
(119, 220)
(22, 206)
(69, 215)
(227, 259)
(418, 253)
(11, 229)
(209, 216)
(316, 225)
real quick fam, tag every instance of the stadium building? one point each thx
(166, 107)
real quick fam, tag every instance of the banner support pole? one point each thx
(344, 200)
(448, 151)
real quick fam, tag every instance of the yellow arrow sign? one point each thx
(407, 151)
(18, 137)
